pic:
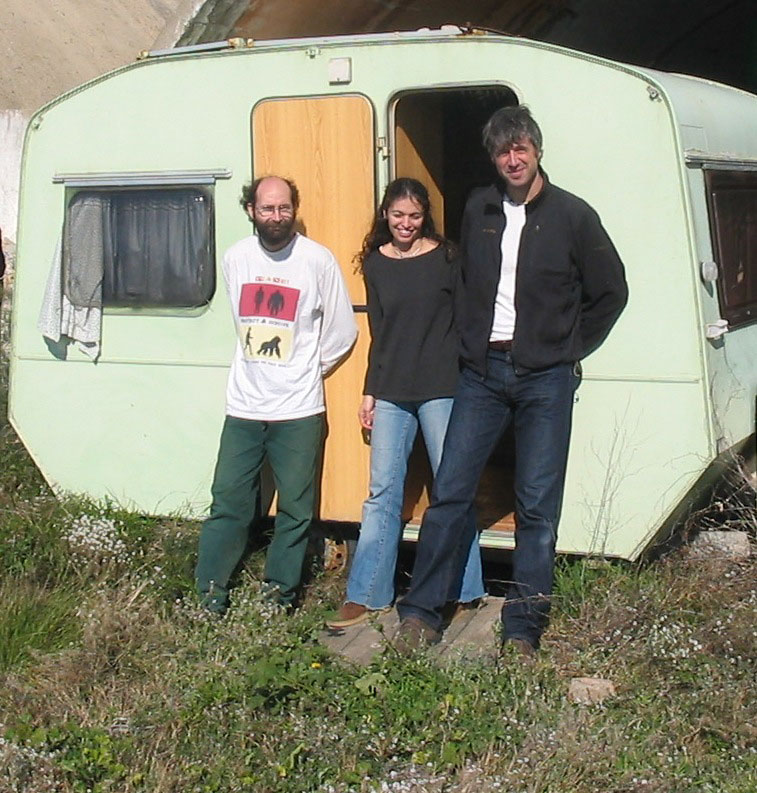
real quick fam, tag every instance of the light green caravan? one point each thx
(129, 198)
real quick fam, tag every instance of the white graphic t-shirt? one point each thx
(294, 322)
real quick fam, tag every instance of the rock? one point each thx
(590, 690)
(720, 545)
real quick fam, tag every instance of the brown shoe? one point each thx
(414, 634)
(352, 614)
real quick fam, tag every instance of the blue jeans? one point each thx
(539, 403)
(395, 424)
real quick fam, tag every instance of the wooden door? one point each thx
(326, 145)
(418, 153)
(419, 147)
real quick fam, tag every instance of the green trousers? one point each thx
(292, 448)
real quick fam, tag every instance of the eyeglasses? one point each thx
(285, 210)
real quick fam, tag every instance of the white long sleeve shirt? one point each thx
(294, 322)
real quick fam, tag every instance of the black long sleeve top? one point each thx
(414, 340)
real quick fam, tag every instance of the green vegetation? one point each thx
(111, 678)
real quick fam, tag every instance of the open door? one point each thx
(437, 140)
(326, 145)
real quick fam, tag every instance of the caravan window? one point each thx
(732, 204)
(140, 248)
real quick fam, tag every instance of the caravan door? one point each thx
(326, 145)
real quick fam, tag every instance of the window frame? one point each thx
(203, 180)
(719, 178)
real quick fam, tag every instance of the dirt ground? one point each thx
(50, 46)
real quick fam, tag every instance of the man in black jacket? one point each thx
(543, 286)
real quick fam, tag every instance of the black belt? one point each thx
(501, 346)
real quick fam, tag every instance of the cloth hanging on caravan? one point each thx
(72, 303)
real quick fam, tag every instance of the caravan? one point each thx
(132, 181)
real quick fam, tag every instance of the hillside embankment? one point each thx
(51, 46)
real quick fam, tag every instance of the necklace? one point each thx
(413, 250)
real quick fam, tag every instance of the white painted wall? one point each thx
(12, 126)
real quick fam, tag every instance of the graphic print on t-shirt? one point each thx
(267, 310)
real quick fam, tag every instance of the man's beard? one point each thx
(272, 235)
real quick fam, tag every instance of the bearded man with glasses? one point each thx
(294, 323)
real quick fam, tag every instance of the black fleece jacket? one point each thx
(570, 284)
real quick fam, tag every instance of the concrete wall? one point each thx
(51, 46)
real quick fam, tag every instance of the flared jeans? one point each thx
(395, 425)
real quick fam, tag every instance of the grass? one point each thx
(111, 679)
(35, 620)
